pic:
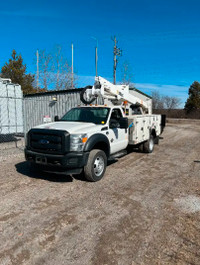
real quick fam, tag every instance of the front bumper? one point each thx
(71, 162)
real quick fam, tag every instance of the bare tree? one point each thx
(45, 68)
(171, 102)
(55, 70)
(61, 69)
(164, 102)
(157, 102)
(126, 73)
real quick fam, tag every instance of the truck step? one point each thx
(118, 155)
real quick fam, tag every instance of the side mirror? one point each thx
(56, 118)
(113, 124)
(123, 122)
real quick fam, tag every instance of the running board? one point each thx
(118, 155)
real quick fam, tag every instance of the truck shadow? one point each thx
(26, 169)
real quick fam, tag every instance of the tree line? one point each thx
(192, 104)
(55, 72)
(163, 102)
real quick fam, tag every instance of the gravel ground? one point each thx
(146, 210)
(9, 150)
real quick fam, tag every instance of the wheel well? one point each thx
(153, 133)
(102, 146)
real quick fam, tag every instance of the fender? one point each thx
(152, 131)
(155, 136)
(95, 139)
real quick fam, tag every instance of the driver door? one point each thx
(118, 137)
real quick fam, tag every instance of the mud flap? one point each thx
(163, 122)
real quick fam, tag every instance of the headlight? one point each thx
(77, 142)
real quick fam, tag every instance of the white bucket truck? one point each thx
(87, 136)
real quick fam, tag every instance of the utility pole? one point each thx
(116, 52)
(72, 81)
(37, 54)
(96, 56)
(96, 60)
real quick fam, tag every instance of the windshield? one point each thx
(95, 115)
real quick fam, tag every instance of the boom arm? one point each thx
(117, 94)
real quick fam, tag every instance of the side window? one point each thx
(116, 114)
(114, 118)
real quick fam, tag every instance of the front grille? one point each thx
(48, 141)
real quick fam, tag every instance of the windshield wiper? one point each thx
(79, 121)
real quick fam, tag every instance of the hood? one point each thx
(71, 127)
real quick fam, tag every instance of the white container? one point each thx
(11, 111)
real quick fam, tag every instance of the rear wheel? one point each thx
(156, 140)
(96, 165)
(148, 146)
(141, 147)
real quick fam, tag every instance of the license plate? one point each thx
(41, 160)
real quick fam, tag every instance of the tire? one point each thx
(148, 146)
(141, 147)
(96, 165)
(156, 140)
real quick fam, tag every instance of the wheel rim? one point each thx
(151, 144)
(99, 166)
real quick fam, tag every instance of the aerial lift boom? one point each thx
(117, 95)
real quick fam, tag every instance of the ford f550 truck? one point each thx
(87, 136)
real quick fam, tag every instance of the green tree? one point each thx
(16, 71)
(193, 101)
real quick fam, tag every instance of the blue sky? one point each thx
(159, 39)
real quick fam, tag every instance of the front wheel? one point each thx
(96, 165)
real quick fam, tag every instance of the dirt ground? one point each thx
(146, 210)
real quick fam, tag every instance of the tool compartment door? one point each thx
(139, 130)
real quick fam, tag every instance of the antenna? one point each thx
(72, 81)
